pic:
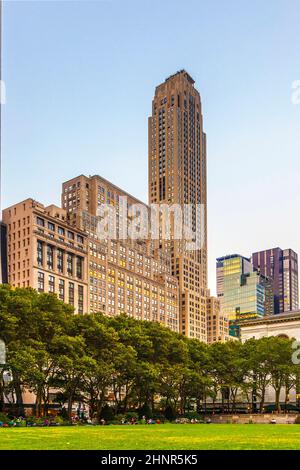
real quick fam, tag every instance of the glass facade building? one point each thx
(282, 267)
(243, 292)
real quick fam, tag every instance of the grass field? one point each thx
(160, 437)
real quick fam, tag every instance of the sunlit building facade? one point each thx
(282, 267)
(125, 275)
(217, 322)
(177, 175)
(244, 293)
(46, 253)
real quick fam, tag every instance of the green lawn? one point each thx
(144, 437)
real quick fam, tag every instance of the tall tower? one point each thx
(177, 175)
(282, 267)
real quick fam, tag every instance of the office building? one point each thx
(177, 175)
(46, 253)
(282, 267)
(244, 293)
(126, 275)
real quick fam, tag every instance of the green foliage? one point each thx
(193, 415)
(99, 360)
(145, 410)
(170, 413)
(131, 415)
(107, 413)
(4, 418)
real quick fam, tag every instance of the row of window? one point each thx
(62, 289)
(72, 262)
(60, 230)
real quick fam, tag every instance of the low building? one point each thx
(283, 324)
(45, 252)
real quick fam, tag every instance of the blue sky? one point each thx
(80, 77)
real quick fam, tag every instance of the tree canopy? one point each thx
(128, 363)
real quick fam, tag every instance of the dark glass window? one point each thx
(50, 257)
(71, 293)
(60, 261)
(80, 239)
(61, 231)
(80, 299)
(71, 235)
(79, 267)
(41, 282)
(61, 289)
(51, 226)
(70, 264)
(40, 221)
(51, 284)
(40, 259)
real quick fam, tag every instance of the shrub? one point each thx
(107, 413)
(131, 415)
(193, 415)
(4, 418)
(60, 420)
(145, 410)
(297, 420)
(170, 414)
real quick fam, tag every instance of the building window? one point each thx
(70, 264)
(51, 284)
(80, 299)
(40, 221)
(41, 282)
(51, 226)
(40, 260)
(80, 239)
(79, 267)
(71, 235)
(61, 289)
(60, 260)
(50, 257)
(61, 231)
(71, 293)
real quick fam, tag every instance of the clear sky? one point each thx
(80, 77)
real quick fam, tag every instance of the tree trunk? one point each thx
(19, 396)
(262, 401)
(70, 403)
(277, 399)
(38, 405)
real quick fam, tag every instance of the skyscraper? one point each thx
(244, 292)
(177, 175)
(282, 267)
